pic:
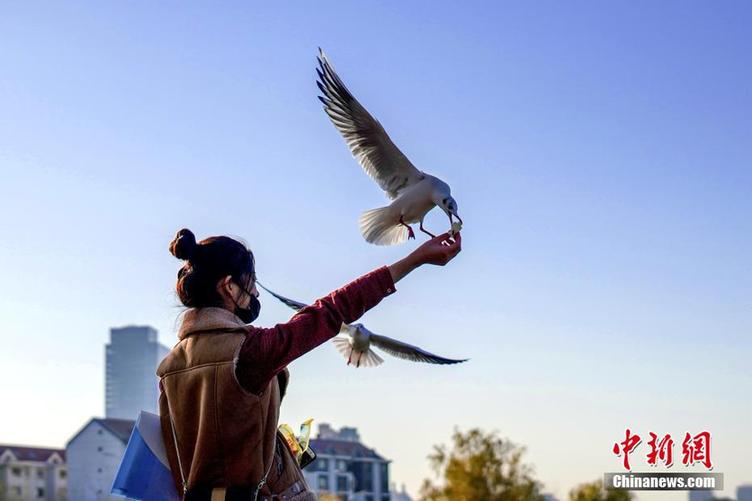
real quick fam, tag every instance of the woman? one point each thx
(221, 386)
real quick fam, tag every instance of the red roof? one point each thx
(24, 453)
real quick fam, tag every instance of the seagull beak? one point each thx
(451, 221)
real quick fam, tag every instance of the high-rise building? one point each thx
(131, 383)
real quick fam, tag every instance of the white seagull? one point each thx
(413, 192)
(355, 346)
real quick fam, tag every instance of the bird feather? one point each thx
(364, 135)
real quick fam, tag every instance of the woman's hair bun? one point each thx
(183, 245)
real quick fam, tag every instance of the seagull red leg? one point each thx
(410, 232)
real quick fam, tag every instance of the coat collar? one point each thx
(208, 319)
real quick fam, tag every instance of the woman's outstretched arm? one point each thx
(266, 351)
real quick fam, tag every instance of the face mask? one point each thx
(251, 313)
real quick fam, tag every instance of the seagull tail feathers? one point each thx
(378, 227)
(357, 358)
(371, 359)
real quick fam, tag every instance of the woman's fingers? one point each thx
(438, 250)
(451, 240)
(441, 249)
(454, 247)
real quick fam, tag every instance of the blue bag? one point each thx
(144, 472)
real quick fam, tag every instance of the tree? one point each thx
(594, 491)
(480, 466)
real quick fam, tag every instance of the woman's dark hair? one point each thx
(206, 262)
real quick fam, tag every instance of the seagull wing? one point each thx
(364, 135)
(295, 305)
(408, 352)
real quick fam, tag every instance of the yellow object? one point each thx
(292, 442)
(305, 434)
(297, 445)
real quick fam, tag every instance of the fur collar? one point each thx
(208, 319)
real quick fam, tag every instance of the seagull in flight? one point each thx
(355, 343)
(412, 192)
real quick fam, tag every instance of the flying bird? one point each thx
(413, 193)
(355, 343)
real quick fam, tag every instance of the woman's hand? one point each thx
(438, 251)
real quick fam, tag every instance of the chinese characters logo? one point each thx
(694, 449)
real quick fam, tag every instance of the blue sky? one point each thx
(601, 156)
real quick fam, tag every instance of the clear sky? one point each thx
(600, 154)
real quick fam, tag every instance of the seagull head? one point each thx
(442, 196)
(449, 206)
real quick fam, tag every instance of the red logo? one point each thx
(695, 449)
(626, 447)
(662, 450)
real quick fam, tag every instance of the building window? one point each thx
(16, 471)
(323, 483)
(341, 465)
(16, 490)
(319, 464)
(99, 470)
(40, 492)
(384, 467)
(63, 473)
(100, 448)
(40, 473)
(363, 473)
(342, 484)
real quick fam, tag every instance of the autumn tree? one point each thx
(594, 491)
(480, 466)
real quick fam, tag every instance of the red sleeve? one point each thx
(266, 351)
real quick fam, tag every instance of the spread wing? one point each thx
(408, 352)
(364, 135)
(289, 302)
